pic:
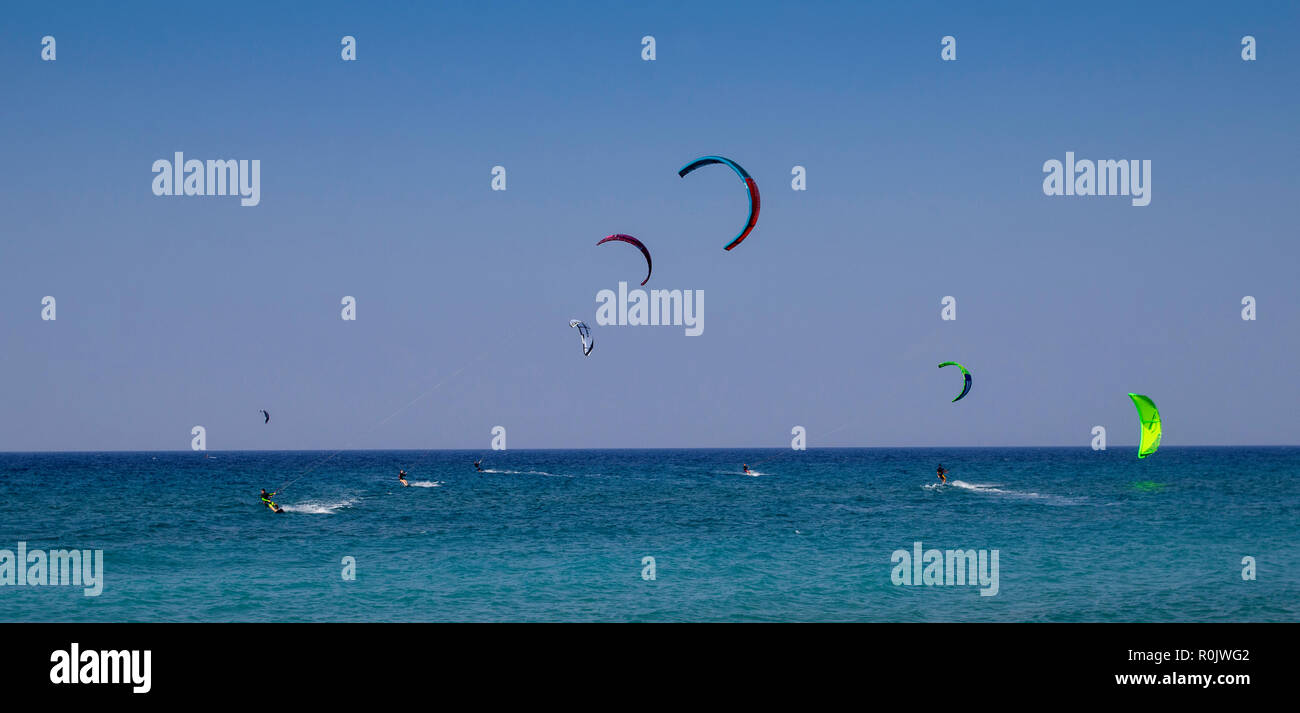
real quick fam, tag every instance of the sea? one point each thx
(822, 535)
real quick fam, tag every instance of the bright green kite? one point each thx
(965, 388)
(1150, 418)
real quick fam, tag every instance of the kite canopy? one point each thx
(640, 246)
(965, 389)
(1150, 419)
(750, 186)
(584, 333)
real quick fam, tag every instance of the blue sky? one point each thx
(924, 180)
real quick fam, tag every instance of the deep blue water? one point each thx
(560, 535)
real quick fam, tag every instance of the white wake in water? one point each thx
(425, 483)
(996, 489)
(318, 507)
(978, 487)
(525, 472)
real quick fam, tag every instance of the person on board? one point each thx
(266, 498)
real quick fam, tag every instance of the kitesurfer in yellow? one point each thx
(401, 478)
(943, 475)
(266, 498)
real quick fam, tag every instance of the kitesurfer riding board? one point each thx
(943, 475)
(401, 478)
(266, 498)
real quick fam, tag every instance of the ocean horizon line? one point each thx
(632, 449)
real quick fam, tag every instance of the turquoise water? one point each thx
(560, 535)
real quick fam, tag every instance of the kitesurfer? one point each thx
(478, 467)
(943, 475)
(266, 498)
(401, 477)
(745, 467)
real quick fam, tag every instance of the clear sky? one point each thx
(924, 179)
